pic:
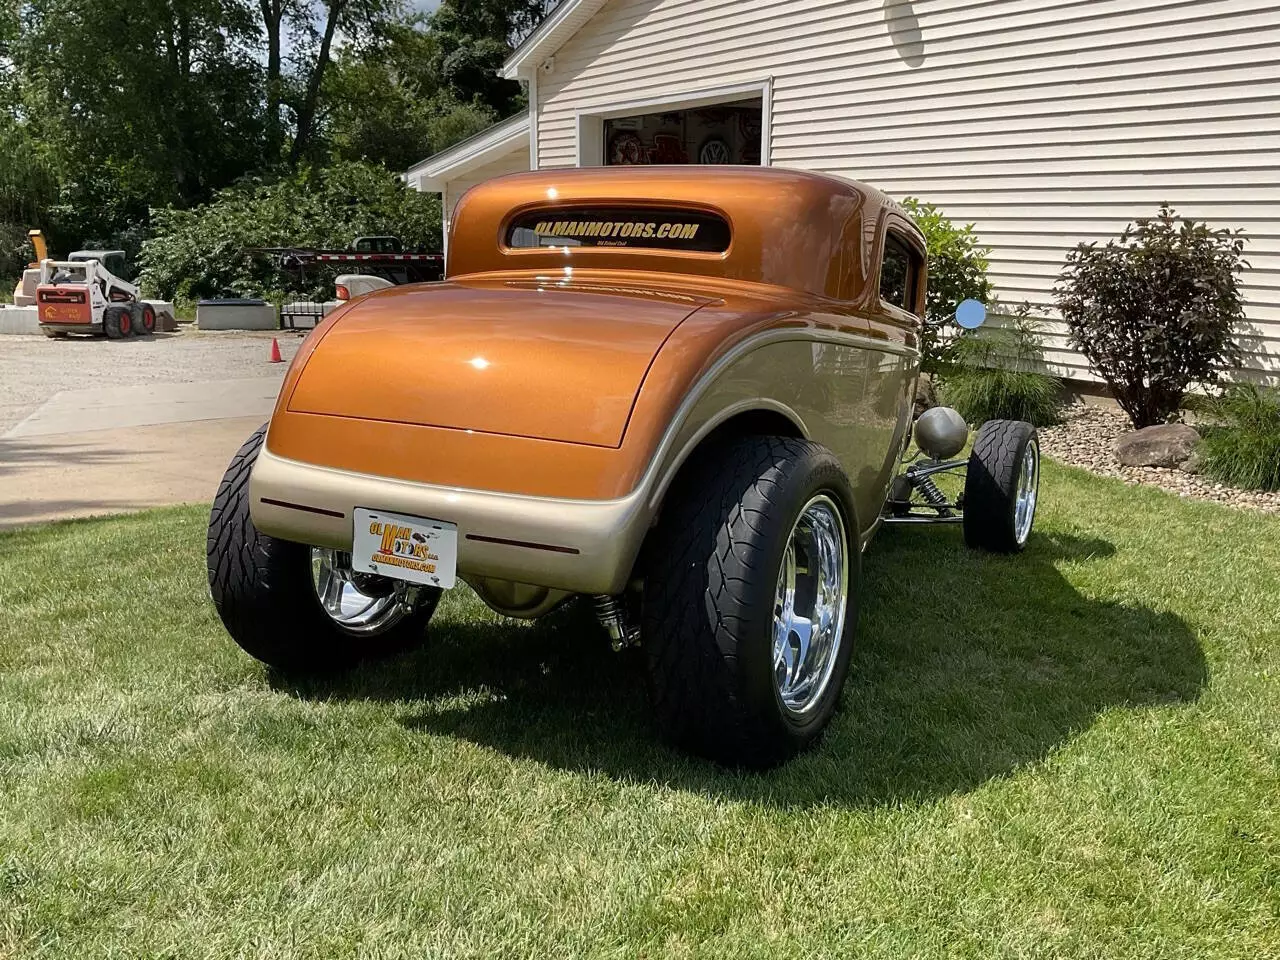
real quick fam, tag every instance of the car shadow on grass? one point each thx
(967, 667)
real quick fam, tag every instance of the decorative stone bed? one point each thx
(1086, 438)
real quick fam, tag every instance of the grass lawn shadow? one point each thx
(967, 667)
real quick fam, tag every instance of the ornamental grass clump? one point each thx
(1155, 311)
(1241, 430)
(996, 374)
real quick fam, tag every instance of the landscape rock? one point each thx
(1087, 434)
(1168, 445)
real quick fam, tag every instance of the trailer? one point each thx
(383, 257)
(372, 258)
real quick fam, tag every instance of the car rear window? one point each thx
(697, 231)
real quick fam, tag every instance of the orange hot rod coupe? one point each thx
(683, 392)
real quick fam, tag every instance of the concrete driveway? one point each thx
(155, 428)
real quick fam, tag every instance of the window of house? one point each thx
(900, 273)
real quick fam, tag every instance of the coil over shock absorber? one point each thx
(932, 495)
(609, 611)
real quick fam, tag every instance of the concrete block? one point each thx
(236, 315)
(24, 295)
(19, 320)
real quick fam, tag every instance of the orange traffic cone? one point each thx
(275, 351)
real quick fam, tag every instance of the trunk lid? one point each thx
(548, 361)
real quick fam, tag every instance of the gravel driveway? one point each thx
(33, 369)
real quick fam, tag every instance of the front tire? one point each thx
(271, 593)
(750, 593)
(144, 319)
(117, 322)
(1001, 486)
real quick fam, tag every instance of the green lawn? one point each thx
(1073, 753)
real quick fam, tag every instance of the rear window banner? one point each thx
(690, 230)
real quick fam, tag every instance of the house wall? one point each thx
(1043, 122)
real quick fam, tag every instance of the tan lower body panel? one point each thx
(574, 545)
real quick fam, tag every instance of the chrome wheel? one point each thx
(360, 603)
(809, 606)
(1024, 510)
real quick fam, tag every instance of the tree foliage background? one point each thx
(116, 116)
(206, 251)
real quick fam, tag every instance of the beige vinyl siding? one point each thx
(1043, 122)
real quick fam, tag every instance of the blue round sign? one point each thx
(971, 314)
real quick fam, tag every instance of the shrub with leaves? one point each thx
(1154, 312)
(957, 272)
(997, 374)
(208, 250)
(1241, 433)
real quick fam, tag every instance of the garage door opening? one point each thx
(728, 125)
(720, 134)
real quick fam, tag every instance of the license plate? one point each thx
(406, 548)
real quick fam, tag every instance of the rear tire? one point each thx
(262, 588)
(117, 322)
(712, 610)
(1002, 486)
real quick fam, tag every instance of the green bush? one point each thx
(208, 250)
(993, 374)
(1241, 436)
(1155, 311)
(957, 272)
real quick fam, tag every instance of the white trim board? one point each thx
(489, 145)
(561, 24)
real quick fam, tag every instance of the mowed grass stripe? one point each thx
(1072, 753)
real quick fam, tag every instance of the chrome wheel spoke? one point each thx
(332, 586)
(801, 635)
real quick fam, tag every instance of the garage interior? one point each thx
(719, 134)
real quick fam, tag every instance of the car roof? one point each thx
(811, 232)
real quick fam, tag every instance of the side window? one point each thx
(900, 273)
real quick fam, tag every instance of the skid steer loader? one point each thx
(82, 295)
